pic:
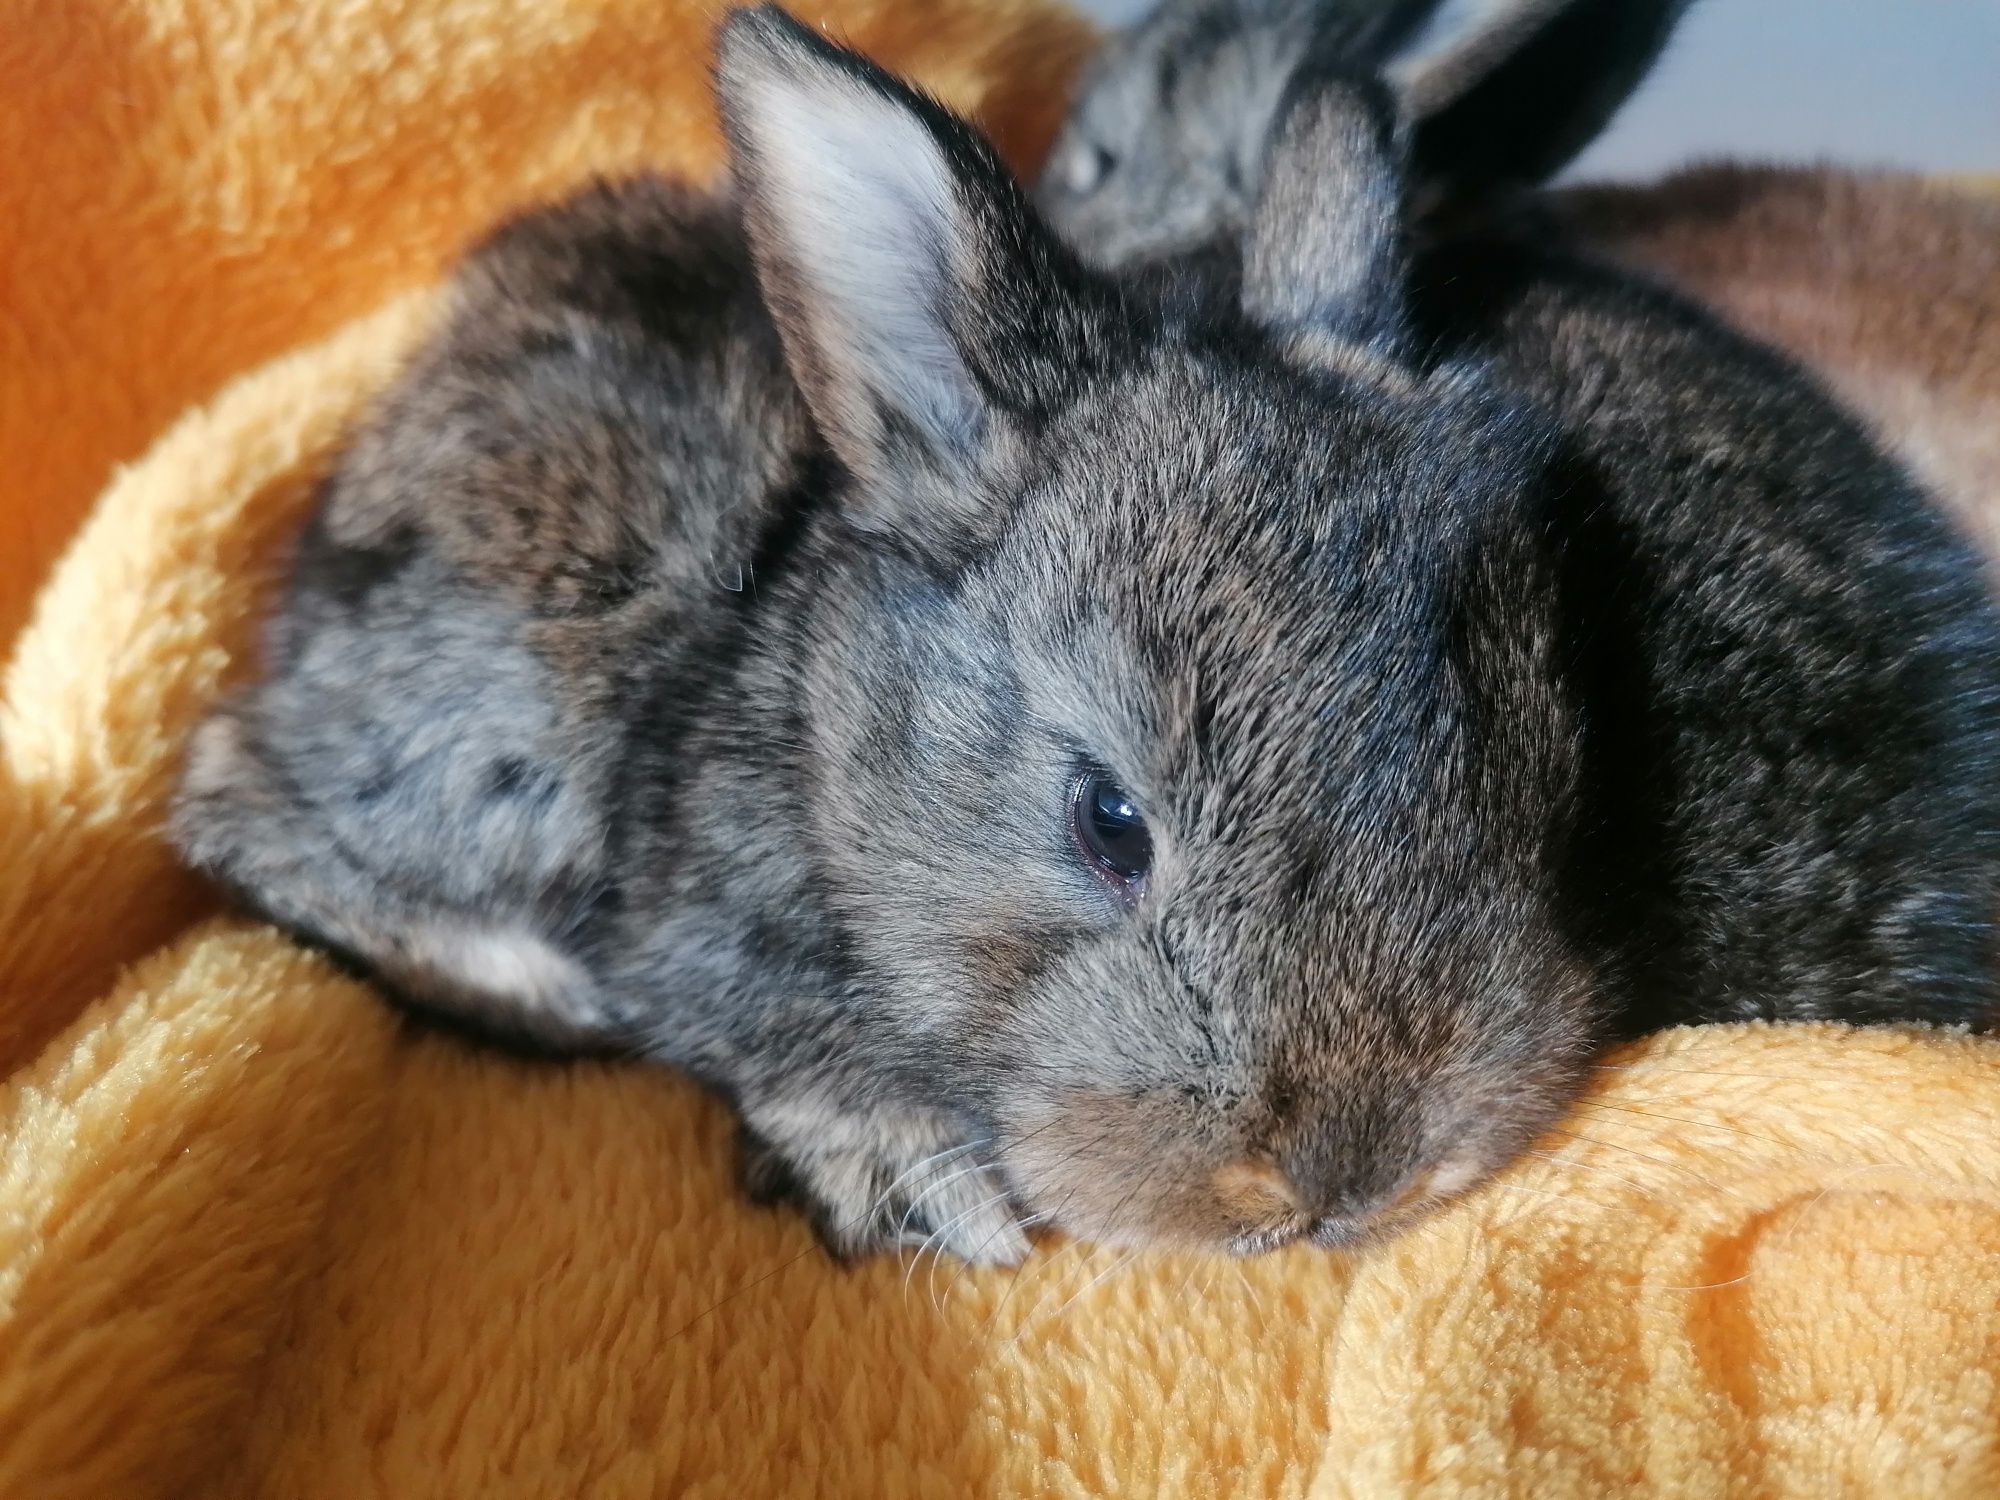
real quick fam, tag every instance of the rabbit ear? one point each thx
(1323, 251)
(1494, 93)
(1507, 92)
(924, 308)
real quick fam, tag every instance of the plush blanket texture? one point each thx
(258, 1238)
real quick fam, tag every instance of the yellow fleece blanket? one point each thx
(258, 1238)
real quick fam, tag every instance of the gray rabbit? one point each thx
(1164, 147)
(1056, 750)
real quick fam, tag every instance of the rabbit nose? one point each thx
(1340, 1198)
(1261, 1187)
(1332, 1230)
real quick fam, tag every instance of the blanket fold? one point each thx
(260, 1237)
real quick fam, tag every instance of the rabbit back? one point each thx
(1792, 658)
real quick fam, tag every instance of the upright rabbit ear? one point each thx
(1506, 92)
(1323, 252)
(1467, 97)
(926, 313)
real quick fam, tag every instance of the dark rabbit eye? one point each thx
(1110, 830)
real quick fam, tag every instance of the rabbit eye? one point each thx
(1110, 830)
(1088, 166)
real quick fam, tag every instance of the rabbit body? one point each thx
(1766, 589)
(1055, 747)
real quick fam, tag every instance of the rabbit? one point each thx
(1056, 751)
(1164, 145)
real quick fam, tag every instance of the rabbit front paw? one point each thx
(870, 1183)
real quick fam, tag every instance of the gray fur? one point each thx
(1164, 145)
(1164, 149)
(744, 664)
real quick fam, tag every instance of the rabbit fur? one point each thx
(706, 649)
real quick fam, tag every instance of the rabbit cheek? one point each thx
(1000, 966)
(1123, 1169)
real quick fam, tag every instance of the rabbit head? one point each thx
(1190, 765)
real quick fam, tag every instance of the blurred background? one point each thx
(1893, 83)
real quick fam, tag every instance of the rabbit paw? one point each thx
(870, 1183)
